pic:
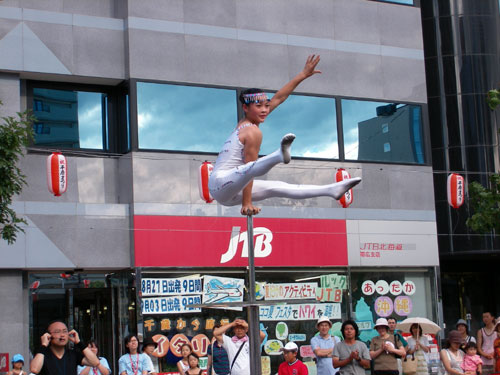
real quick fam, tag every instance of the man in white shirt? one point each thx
(237, 347)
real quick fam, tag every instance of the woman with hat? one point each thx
(453, 357)
(148, 347)
(17, 365)
(464, 331)
(384, 349)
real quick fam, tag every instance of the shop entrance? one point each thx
(93, 318)
(100, 307)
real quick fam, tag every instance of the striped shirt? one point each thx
(220, 360)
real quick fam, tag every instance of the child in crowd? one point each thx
(472, 364)
(183, 364)
(17, 365)
(496, 346)
(194, 369)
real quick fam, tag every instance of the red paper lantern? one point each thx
(347, 198)
(35, 285)
(57, 174)
(456, 190)
(203, 176)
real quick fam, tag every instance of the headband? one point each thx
(255, 98)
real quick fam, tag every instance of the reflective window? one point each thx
(407, 2)
(184, 118)
(375, 131)
(311, 119)
(70, 119)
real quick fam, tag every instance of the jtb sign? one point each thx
(262, 244)
(196, 241)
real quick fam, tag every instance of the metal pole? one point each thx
(253, 311)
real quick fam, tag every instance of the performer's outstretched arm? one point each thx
(285, 91)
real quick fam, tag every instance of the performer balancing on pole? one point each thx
(232, 179)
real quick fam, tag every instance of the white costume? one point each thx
(230, 176)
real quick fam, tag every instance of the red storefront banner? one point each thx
(196, 241)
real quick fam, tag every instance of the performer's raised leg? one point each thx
(263, 189)
(229, 183)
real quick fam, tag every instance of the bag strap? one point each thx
(237, 354)
(212, 364)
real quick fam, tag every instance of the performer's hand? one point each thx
(73, 336)
(310, 67)
(249, 210)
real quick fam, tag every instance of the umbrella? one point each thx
(428, 326)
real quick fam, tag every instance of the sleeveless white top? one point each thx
(231, 155)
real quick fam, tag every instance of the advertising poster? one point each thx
(170, 305)
(223, 289)
(306, 311)
(170, 287)
(290, 291)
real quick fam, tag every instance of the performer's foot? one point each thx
(340, 188)
(286, 144)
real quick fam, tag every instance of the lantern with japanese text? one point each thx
(57, 174)
(203, 176)
(347, 198)
(455, 190)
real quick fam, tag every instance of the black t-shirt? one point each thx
(67, 365)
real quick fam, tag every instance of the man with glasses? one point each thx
(292, 365)
(53, 358)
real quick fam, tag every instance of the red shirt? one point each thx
(298, 368)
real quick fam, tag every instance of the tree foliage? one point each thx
(493, 99)
(15, 134)
(486, 206)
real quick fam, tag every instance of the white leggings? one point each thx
(226, 185)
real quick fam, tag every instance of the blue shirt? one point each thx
(324, 364)
(103, 361)
(140, 363)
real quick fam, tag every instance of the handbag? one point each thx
(410, 365)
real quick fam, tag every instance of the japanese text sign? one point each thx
(170, 287)
(170, 305)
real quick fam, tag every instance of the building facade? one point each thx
(138, 95)
(462, 54)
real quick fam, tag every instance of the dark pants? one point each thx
(386, 372)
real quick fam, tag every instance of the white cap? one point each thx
(381, 322)
(291, 347)
(324, 318)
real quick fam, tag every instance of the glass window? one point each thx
(70, 119)
(184, 118)
(312, 119)
(400, 294)
(387, 132)
(309, 293)
(407, 2)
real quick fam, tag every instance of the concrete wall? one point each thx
(15, 316)
(368, 49)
